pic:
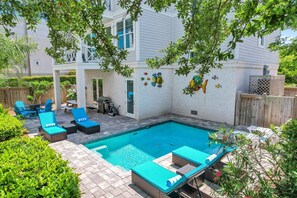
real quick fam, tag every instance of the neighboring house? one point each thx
(143, 39)
(39, 62)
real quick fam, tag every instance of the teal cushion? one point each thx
(156, 175)
(192, 155)
(88, 124)
(54, 130)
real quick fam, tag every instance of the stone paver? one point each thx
(99, 178)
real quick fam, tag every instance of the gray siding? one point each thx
(39, 37)
(156, 32)
(249, 51)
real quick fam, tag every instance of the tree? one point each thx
(13, 52)
(288, 58)
(206, 25)
(263, 168)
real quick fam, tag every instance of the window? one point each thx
(261, 41)
(125, 34)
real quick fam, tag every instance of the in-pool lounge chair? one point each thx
(50, 128)
(83, 123)
(47, 107)
(187, 155)
(20, 109)
(152, 178)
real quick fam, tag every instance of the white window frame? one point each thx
(124, 27)
(259, 39)
(97, 87)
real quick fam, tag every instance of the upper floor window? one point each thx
(261, 41)
(125, 34)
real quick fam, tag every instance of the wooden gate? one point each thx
(263, 110)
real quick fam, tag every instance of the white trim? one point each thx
(259, 40)
(126, 101)
(97, 87)
(137, 40)
(124, 32)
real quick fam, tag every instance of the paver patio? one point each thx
(99, 178)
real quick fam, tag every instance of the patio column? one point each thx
(57, 89)
(80, 87)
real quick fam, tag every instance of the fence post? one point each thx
(295, 107)
(266, 120)
(237, 108)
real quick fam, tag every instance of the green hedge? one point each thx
(30, 168)
(10, 127)
(15, 82)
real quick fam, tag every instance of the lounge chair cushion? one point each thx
(54, 130)
(88, 124)
(192, 155)
(156, 175)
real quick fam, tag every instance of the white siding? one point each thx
(155, 34)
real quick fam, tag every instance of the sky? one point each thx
(289, 33)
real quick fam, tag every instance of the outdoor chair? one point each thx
(83, 123)
(20, 109)
(50, 128)
(47, 107)
(152, 178)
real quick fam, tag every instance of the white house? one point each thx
(137, 97)
(39, 62)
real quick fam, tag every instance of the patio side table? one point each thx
(70, 128)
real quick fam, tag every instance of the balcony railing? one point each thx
(108, 4)
(87, 54)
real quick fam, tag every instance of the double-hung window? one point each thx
(125, 33)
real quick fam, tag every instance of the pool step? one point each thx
(103, 150)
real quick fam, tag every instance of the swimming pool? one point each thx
(136, 147)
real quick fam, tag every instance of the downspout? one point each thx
(28, 62)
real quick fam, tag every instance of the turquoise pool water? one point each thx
(136, 147)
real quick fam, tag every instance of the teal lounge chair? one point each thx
(187, 155)
(50, 128)
(20, 109)
(152, 178)
(47, 107)
(83, 123)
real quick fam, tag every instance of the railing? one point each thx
(87, 54)
(70, 56)
(108, 4)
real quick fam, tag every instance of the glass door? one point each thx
(97, 88)
(130, 98)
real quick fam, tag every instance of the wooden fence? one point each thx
(8, 96)
(263, 110)
(290, 91)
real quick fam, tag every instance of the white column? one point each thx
(57, 89)
(80, 87)
(79, 52)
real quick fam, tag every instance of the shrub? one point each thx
(2, 110)
(30, 168)
(10, 127)
(15, 82)
(264, 168)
